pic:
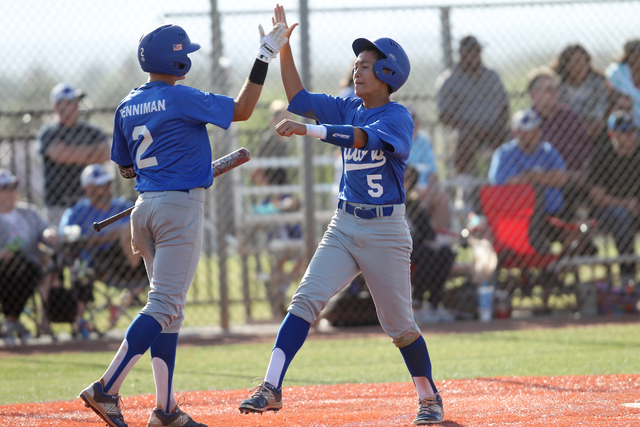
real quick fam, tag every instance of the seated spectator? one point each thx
(562, 128)
(22, 228)
(616, 101)
(528, 159)
(624, 75)
(582, 87)
(473, 101)
(108, 253)
(431, 262)
(422, 158)
(615, 178)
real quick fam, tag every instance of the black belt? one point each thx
(364, 213)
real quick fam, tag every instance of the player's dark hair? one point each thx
(561, 64)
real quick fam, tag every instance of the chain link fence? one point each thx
(548, 227)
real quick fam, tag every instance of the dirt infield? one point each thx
(505, 401)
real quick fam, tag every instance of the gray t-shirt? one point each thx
(476, 101)
(21, 230)
(588, 100)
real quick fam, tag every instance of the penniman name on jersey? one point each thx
(144, 108)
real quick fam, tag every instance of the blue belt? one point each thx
(364, 213)
(184, 191)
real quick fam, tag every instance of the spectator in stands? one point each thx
(108, 253)
(615, 191)
(67, 146)
(423, 159)
(473, 101)
(347, 88)
(563, 129)
(22, 228)
(616, 101)
(528, 159)
(273, 145)
(431, 262)
(624, 75)
(582, 87)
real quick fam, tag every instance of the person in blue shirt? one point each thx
(107, 254)
(527, 159)
(368, 234)
(160, 138)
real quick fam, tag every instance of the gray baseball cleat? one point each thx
(107, 406)
(178, 418)
(266, 397)
(430, 411)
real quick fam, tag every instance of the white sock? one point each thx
(276, 364)
(164, 394)
(423, 387)
(115, 364)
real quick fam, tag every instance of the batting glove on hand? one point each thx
(271, 43)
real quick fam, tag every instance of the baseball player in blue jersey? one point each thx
(160, 138)
(368, 232)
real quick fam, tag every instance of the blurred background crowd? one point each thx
(522, 182)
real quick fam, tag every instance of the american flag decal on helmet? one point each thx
(177, 47)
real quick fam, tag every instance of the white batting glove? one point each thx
(271, 44)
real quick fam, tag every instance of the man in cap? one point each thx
(526, 159)
(614, 176)
(108, 254)
(473, 101)
(67, 146)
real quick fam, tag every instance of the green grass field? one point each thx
(604, 349)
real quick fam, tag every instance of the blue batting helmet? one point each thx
(395, 61)
(164, 50)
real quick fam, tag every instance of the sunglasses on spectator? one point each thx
(8, 187)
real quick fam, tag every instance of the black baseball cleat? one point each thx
(266, 397)
(107, 406)
(430, 411)
(177, 418)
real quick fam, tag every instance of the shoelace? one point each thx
(426, 403)
(259, 389)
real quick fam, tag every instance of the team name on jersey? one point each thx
(378, 159)
(145, 108)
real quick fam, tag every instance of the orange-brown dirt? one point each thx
(601, 400)
(507, 401)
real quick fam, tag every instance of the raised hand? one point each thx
(271, 43)
(279, 17)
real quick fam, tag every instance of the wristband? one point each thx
(258, 72)
(340, 135)
(317, 131)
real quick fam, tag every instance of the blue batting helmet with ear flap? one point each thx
(164, 50)
(395, 61)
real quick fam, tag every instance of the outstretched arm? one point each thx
(290, 77)
(270, 45)
(342, 136)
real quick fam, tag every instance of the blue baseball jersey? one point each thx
(375, 174)
(84, 214)
(160, 129)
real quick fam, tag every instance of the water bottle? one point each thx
(485, 302)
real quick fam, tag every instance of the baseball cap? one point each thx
(95, 174)
(469, 42)
(64, 92)
(526, 120)
(620, 121)
(7, 179)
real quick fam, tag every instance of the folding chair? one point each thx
(509, 210)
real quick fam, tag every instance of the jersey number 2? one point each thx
(147, 139)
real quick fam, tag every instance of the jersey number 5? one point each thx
(376, 189)
(147, 139)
